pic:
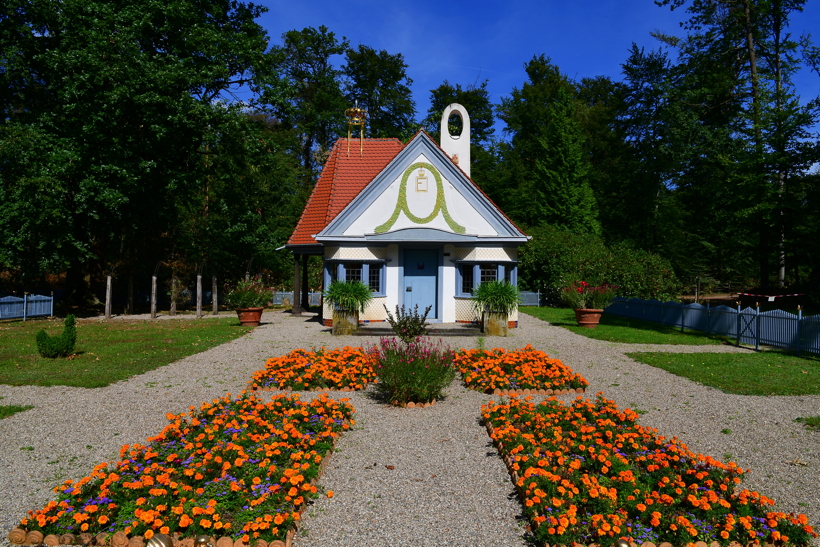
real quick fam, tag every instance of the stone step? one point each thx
(436, 331)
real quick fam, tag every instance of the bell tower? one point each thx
(457, 146)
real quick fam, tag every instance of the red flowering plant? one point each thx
(236, 467)
(588, 473)
(525, 368)
(582, 295)
(345, 368)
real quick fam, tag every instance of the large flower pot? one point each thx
(250, 316)
(345, 321)
(588, 318)
(495, 324)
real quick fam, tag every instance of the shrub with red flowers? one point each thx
(588, 473)
(236, 467)
(525, 368)
(582, 295)
(345, 368)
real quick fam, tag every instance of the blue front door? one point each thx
(420, 280)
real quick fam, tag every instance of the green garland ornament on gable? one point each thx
(441, 205)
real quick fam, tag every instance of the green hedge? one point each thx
(555, 258)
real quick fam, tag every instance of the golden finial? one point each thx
(356, 116)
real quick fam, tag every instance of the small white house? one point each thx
(408, 221)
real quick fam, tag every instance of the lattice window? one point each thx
(467, 281)
(375, 276)
(353, 271)
(489, 272)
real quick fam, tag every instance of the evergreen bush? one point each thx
(58, 346)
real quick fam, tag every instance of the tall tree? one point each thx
(303, 88)
(749, 40)
(547, 157)
(106, 107)
(475, 98)
(379, 82)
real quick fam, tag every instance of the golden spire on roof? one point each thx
(356, 116)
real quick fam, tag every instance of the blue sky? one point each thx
(466, 42)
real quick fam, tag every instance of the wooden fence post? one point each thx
(173, 310)
(199, 296)
(153, 297)
(108, 297)
(214, 302)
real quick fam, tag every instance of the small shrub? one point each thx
(408, 324)
(416, 372)
(58, 346)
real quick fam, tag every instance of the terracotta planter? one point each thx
(345, 321)
(588, 318)
(495, 324)
(250, 316)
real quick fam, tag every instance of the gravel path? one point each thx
(445, 484)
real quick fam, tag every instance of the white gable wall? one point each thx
(421, 204)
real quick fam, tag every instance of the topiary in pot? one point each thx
(58, 346)
(494, 301)
(347, 298)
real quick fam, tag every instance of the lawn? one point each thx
(622, 329)
(10, 410)
(106, 352)
(760, 373)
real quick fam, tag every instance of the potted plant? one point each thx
(347, 298)
(249, 299)
(494, 301)
(588, 301)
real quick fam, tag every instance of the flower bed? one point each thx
(239, 468)
(522, 369)
(588, 473)
(343, 369)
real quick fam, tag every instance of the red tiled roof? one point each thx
(342, 178)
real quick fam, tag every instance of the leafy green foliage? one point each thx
(496, 297)
(556, 258)
(303, 89)
(348, 295)
(58, 346)
(417, 371)
(148, 82)
(547, 155)
(408, 324)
